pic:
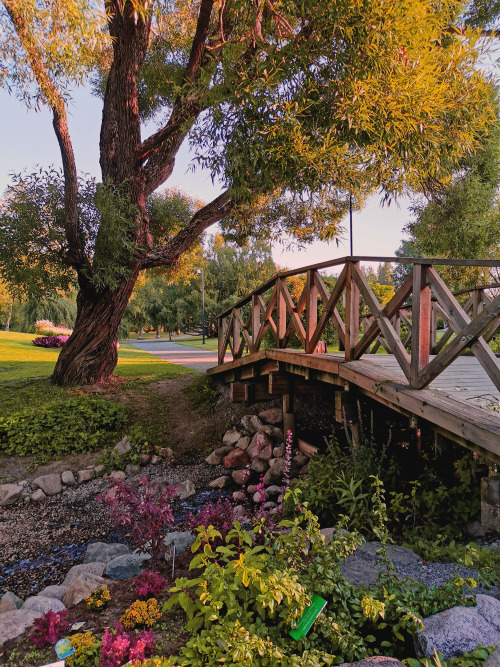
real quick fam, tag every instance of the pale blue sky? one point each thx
(27, 140)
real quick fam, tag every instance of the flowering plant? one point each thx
(45, 327)
(118, 646)
(99, 599)
(141, 612)
(50, 627)
(149, 584)
(50, 341)
(220, 515)
(146, 511)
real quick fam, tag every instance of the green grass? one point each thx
(134, 363)
(197, 341)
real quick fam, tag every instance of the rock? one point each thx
(474, 529)
(82, 586)
(279, 452)
(100, 552)
(362, 568)
(260, 442)
(374, 661)
(460, 629)
(220, 482)
(231, 437)
(243, 442)
(38, 495)
(272, 462)
(126, 566)
(14, 623)
(42, 604)
(258, 497)
(85, 475)
(155, 460)
(10, 494)
(269, 506)
(275, 472)
(50, 484)
(215, 458)
(95, 569)
(241, 477)
(118, 474)
(239, 496)
(166, 452)
(131, 470)
(271, 416)
(10, 602)
(57, 592)
(259, 465)
(303, 471)
(185, 489)
(493, 660)
(237, 458)
(68, 478)
(144, 459)
(182, 540)
(301, 460)
(99, 470)
(273, 491)
(251, 489)
(251, 423)
(277, 435)
(240, 510)
(123, 446)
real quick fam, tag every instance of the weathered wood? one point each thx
(420, 318)
(281, 314)
(311, 296)
(278, 384)
(237, 343)
(289, 413)
(352, 303)
(295, 319)
(255, 314)
(330, 312)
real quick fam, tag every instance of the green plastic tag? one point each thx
(308, 617)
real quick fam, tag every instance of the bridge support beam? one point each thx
(289, 411)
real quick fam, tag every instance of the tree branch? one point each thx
(202, 219)
(76, 252)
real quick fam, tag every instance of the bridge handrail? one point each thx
(472, 325)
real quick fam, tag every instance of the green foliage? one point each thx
(113, 460)
(247, 598)
(74, 426)
(474, 659)
(202, 393)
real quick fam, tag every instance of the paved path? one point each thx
(192, 357)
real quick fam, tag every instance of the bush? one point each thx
(150, 584)
(46, 328)
(50, 341)
(49, 628)
(75, 426)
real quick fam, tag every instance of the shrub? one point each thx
(87, 650)
(202, 394)
(141, 612)
(150, 584)
(118, 647)
(50, 627)
(50, 341)
(99, 599)
(220, 515)
(45, 327)
(146, 511)
(75, 426)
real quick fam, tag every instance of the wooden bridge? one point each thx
(427, 378)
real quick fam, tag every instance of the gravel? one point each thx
(436, 574)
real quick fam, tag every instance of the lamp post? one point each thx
(200, 271)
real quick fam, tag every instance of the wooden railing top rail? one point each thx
(439, 261)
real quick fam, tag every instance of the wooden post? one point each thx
(289, 411)
(311, 309)
(433, 336)
(490, 503)
(220, 335)
(255, 321)
(236, 335)
(421, 323)
(351, 313)
(281, 314)
(476, 303)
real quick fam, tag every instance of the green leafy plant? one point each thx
(74, 426)
(202, 394)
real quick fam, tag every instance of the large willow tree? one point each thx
(291, 104)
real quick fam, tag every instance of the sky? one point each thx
(27, 141)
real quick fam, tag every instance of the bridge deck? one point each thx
(455, 403)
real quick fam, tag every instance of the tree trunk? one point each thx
(9, 316)
(90, 354)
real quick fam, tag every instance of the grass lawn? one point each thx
(25, 371)
(197, 341)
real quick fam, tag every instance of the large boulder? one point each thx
(251, 423)
(10, 494)
(272, 416)
(261, 442)
(231, 437)
(10, 602)
(42, 604)
(14, 623)
(100, 552)
(181, 539)
(57, 592)
(185, 489)
(374, 661)
(51, 485)
(126, 566)
(237, 458)
(81, 587)
(275, 473)
(96, 569)
(363, 567)
(493, 660)
(460, 629)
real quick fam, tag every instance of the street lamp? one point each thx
(200, 271)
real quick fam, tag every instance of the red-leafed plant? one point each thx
(150, 584)
(50, 341)
(50, 627)
(220, 515)
(146, 510)
(119, 646)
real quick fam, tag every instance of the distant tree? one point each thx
(384, 274)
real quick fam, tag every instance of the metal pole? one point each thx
(350, 220)
(203, 304)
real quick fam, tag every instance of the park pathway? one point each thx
(192, 357)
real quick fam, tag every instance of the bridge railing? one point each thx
(417, 303)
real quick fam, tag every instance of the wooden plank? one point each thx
(255, 315)
(311, 310)
(351, 311)
(237, 342)
(281, 314)
(220, 342)
(238, 392)
(330, 301)
(278, 384)
(244, 331)
(290, 306)
(420, 318)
